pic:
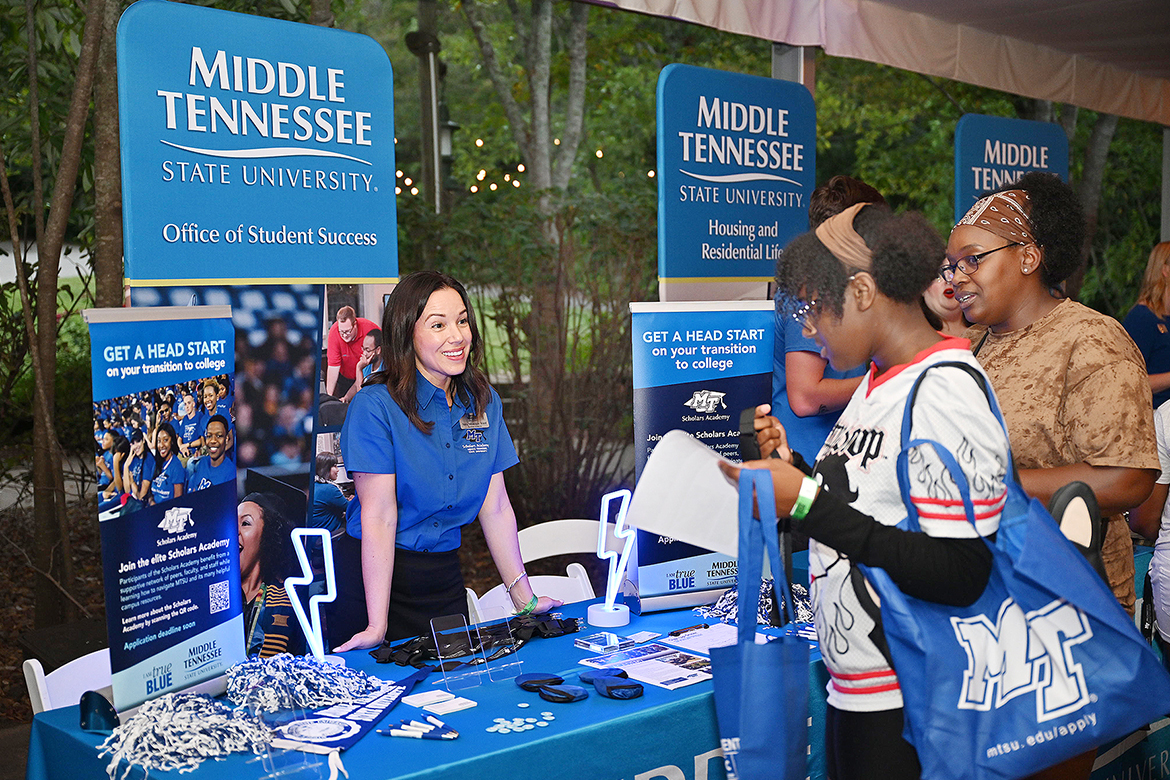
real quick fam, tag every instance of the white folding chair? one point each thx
(63, 687)
(543, 540)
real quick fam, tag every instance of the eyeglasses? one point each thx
(969, 264)
(805, 314)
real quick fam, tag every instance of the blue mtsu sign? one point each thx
(993, 152)
(253, 150)
(736, 166)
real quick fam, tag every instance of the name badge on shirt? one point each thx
(467, 421)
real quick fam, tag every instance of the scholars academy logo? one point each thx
(176, 520)
(1025, 653)
(706, 401)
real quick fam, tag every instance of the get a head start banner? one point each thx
(170, 542)
(253, 150)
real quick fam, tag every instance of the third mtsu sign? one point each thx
(992, 152)
(736, 165)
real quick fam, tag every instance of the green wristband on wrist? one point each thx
(804, 499)
(531, 605)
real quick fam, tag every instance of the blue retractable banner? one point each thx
(253, 150)
(170, 558)
(992, 152)
(736, 166)
(696, 367)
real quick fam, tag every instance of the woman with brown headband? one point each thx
(1071, 384)
(862, 274)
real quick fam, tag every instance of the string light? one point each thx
(481, 175)
(398, 173)
(515, 182)
(650, 174)
(492, 187)
(557, 141)
(520, 167)
(397, 190)
(599, 154)
(507, 177)
(474, 188)
(407, 181)
(414, 190)
(479, 142)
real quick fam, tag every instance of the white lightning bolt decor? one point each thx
(311, 623)
(610, 614)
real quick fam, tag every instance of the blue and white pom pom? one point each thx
(180, 731)
(287, 682)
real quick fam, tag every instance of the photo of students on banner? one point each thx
(155, 445)
(277, 352)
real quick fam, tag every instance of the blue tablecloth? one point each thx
(668, 734)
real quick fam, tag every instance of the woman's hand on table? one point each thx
(370, 637)
(545, 603)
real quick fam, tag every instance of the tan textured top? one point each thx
(1073, 388)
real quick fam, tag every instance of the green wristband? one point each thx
(531, 605)
(804, 499)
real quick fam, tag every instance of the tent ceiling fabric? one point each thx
(1104, 55)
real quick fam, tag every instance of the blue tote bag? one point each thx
(1045, 665)
(761, 691)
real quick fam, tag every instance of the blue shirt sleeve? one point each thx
(367, 440)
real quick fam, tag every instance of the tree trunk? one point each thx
(53, 553)
(107, 169)
(320, 13)
(1089, 190)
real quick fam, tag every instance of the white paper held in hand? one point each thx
(683, 494)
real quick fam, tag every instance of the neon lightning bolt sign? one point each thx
(617, 566)
(312, 628)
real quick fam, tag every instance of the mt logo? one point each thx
(1024, 653)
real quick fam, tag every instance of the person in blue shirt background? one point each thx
(426, 445)
(170, 478)
(216, 467)
(328, 501)
(807, 393)
(1148, 322)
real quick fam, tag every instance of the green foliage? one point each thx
(1129, 219)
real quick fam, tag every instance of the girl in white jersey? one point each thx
(859, 278)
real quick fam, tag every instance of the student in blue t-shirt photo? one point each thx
(214, 468)
(170, 478)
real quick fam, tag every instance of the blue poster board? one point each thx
(736, 166)
(992, 152)
(171, 567)
(696, 367)
(253, 150)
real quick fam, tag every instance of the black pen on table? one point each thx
(681, 631)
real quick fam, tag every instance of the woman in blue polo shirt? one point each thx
(426, 445)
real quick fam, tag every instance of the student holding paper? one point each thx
(858, 280)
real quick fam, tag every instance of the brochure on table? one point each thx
(696, 367)
(170, 564)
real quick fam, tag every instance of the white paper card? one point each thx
(683, 494)
(426, 697)
(451, 705)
